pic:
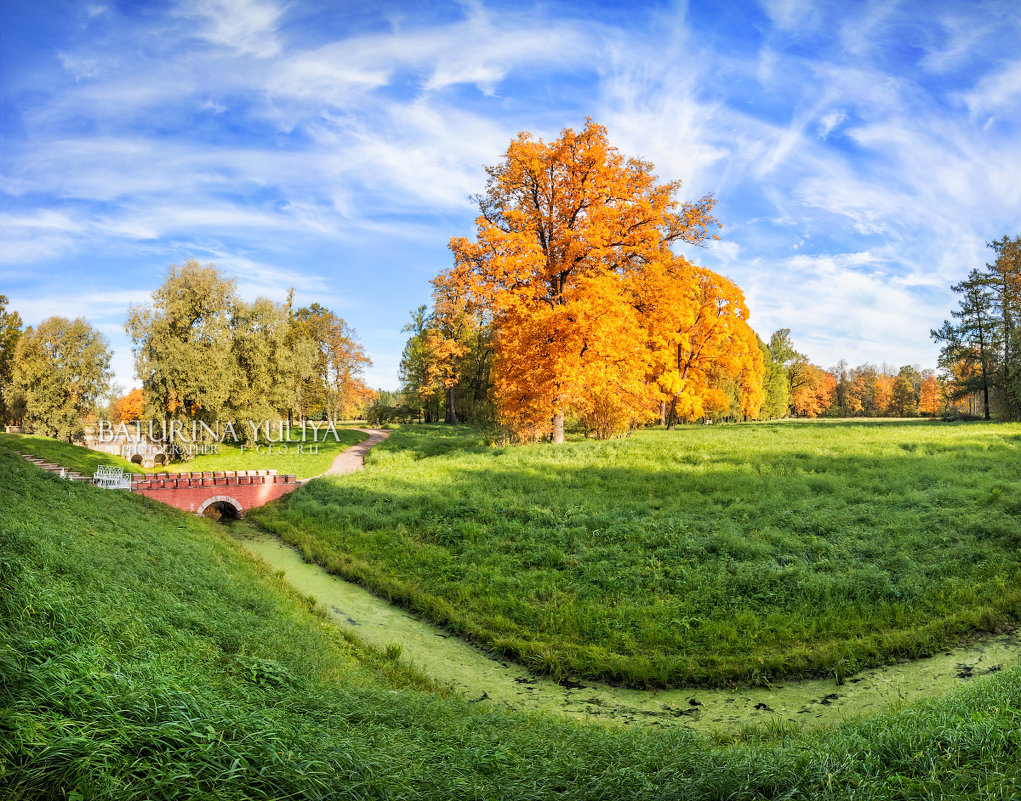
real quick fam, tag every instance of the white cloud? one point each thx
(792, 15)
(248, 27)
(844, 306)
(79, 66)
(995, 93)
(831, 121)
(727, 251)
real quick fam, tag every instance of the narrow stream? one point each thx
(479, 676)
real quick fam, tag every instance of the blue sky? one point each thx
(862, 153)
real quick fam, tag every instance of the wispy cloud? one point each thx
(860, 158)
(248, 27)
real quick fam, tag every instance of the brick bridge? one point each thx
(239, 490)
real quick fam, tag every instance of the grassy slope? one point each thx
(144, 656)
(699, 556)
(72, 456)
(303, 465)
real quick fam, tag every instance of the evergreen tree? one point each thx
(975, 339)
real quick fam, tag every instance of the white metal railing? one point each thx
(109, 477)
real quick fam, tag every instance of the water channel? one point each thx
(481, 677)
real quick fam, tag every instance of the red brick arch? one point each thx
(238, 508)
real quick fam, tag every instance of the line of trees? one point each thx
(791, 386)
(570, 303)
(201, 353)
(796, 387)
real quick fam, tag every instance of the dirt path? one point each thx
(353, 458)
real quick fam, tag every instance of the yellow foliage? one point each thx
(591, 311)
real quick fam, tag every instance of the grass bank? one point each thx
(144, 656)
(74, 457)
(702, 556)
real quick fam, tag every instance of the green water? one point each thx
(478, 675)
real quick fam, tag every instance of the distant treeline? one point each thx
(792, 386)
(202, 354)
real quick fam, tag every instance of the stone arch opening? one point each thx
(221, 508)
(159, 459)
(136, 459)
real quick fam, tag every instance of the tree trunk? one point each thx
(558, 428)
(985, 378)
(451, 411)
(662, 413)
(672, 416)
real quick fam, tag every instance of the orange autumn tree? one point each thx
(129, 407)
(929, 400)
(884, 392)
(700, 339)
(565, 230)
(814, 397)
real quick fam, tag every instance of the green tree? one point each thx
(10, 332)
(183, 345)
(338, 360)
(420, 388)
(795, 365)
(61, 369)
(1003, 278)
(272, 365)
(776, 393)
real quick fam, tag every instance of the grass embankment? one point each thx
(144, 656)
(701, 556)
(284, 457)
(75, 457)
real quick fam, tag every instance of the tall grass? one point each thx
(702, 556)
(143, 656)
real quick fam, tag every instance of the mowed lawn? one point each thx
(702, 556)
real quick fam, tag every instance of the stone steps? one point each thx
(57, 469)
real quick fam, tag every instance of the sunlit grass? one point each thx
(701, 556)
(144, 656)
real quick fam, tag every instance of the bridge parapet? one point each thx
(194, 491)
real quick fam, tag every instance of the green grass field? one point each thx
(702, 556)
(230, 457)
(143, 655)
